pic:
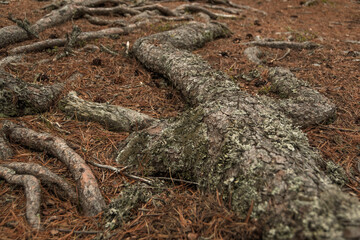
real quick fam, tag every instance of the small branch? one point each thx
(78, 232)
(176, 180)
(284, 44)
(117, 170)
(43, 174)
(285, 55)
(32, 192)
(107, 50)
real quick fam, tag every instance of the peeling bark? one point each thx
(242, 145)
(19, 98)
(32, 192)
(90, 197)
(45, 175)
(114, 118)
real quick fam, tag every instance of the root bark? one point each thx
(90, 197)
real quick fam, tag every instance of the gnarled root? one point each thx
(90, 197)
(32, 192)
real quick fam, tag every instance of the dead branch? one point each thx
(284, 44)
(112, 117)
(32, 192)
(5, 150)
(19, 98)
(90, 197)
(117, 170)
(45, 175)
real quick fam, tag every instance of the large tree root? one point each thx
(112, 117)
(32, 192)
(44, 175)
(90, 197)
(304, 105)
(241, 145)
(20, 98)
(5, 150)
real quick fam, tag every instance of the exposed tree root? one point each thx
(5, 150)
(163, 10)
(44, 175)
(19, 98)
(284, 44)
(304, 105)
(9, 59)
(239, 144)
(90, 197)
(112, 117)
(85, 36)
(32, 192)
(298, 100)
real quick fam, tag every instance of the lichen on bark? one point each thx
(18, 97)
(246, 147)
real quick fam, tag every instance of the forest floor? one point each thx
(186, 213)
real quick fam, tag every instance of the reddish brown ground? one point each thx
(186, 213)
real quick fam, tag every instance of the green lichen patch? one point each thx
(122, 209)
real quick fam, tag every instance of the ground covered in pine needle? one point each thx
(183, 212)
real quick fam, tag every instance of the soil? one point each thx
(333, 70)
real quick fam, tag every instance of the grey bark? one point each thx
(5, 150)
(45, 175)
(112, 117)
(19, 98)
(91, 200)
(242, 145)
(284, 44)
(32, 192)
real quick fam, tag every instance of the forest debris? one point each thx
(90, 197)
(113, 117)
(44, 175)
(117, 170)
(32, 192)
